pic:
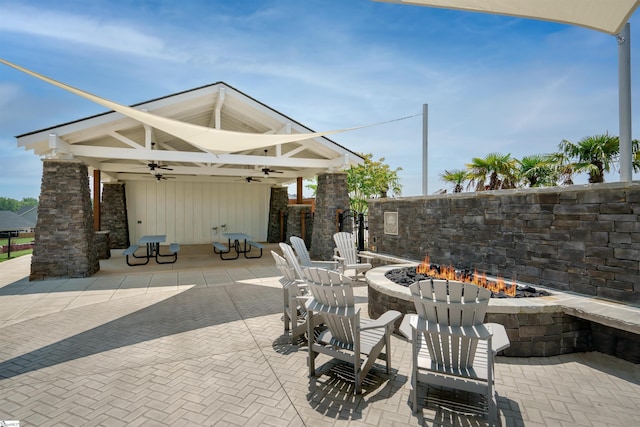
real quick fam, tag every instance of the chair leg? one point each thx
(286, 319)
(311, 359)
(413, 394)
(358, 374)
(414, 370)
(387, 346)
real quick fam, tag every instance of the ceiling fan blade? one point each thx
(267, 171)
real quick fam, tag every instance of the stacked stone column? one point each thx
(113, 215)
(64, 236)
(279, 202)
(331, 195)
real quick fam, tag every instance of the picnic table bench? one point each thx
(235, 245)
(152, 251)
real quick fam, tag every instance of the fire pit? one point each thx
(535, 326)
(405, 276)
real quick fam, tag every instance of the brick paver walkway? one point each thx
(203, 347)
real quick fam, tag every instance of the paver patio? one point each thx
(200, 343)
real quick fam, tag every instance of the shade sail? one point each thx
(608, 16)
(212, 140)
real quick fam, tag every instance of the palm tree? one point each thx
(635, 144)
(501, 169)
(562, 168)
(457, 177)
(592, 154)
(538, 170)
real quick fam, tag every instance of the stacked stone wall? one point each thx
(584, 239)
(113, 215)
(64, 237)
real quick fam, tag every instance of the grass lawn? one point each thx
(15, 254)
(16, 241)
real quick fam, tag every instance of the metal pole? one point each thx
(624, 96)
(425, 149)
(361, 232)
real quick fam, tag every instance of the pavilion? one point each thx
(150, 181)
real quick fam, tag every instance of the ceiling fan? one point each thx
(153, 165)
(266, 170)
(160, 177)
(251, 179)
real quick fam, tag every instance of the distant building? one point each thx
(11, 221)
(29, 212)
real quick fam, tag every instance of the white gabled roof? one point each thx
(123, 148)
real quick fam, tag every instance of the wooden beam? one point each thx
(299, 191)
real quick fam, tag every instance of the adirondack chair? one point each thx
(304, 259)
(294, 311)
(348, 256)
(291, 258)
(347, 337)
(451, 345)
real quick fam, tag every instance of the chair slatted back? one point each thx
(450, 304)
(291, 258)
(288, 273)
(346, 245)
(333, 299)
(301, 250)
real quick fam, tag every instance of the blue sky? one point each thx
(493, 84)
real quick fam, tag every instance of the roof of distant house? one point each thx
(11, 221)
(26, 209)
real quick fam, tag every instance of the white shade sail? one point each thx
(215, 141)
(608, 16)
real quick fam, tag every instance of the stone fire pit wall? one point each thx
(584, 239)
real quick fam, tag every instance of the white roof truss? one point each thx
(122, 148)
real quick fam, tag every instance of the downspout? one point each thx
(218, 108)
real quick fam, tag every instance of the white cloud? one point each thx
(82, 29)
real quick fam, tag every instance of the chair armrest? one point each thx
(382, 321)
(339, 258)
(302, 299)
(367, 257)
(405, 326)
(329, 265)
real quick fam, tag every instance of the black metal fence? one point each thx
(357, 223)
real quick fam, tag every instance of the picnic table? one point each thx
(234, 243)
(152, 243)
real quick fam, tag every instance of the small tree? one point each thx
(371, 180)
(457, 177)
(538, 170)
(593, 154)
(499, 169)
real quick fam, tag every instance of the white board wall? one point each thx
(187, 212)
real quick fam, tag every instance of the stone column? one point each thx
(64, 237)
(294, 223)
(113, 213)
(278, 203)
(331, 195)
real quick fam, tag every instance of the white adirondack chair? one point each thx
(451, 345)
(347, 337)
(291, 258)
(348, 256)
(294, 289)
(304, 259)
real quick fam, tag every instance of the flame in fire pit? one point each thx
(450, 273)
